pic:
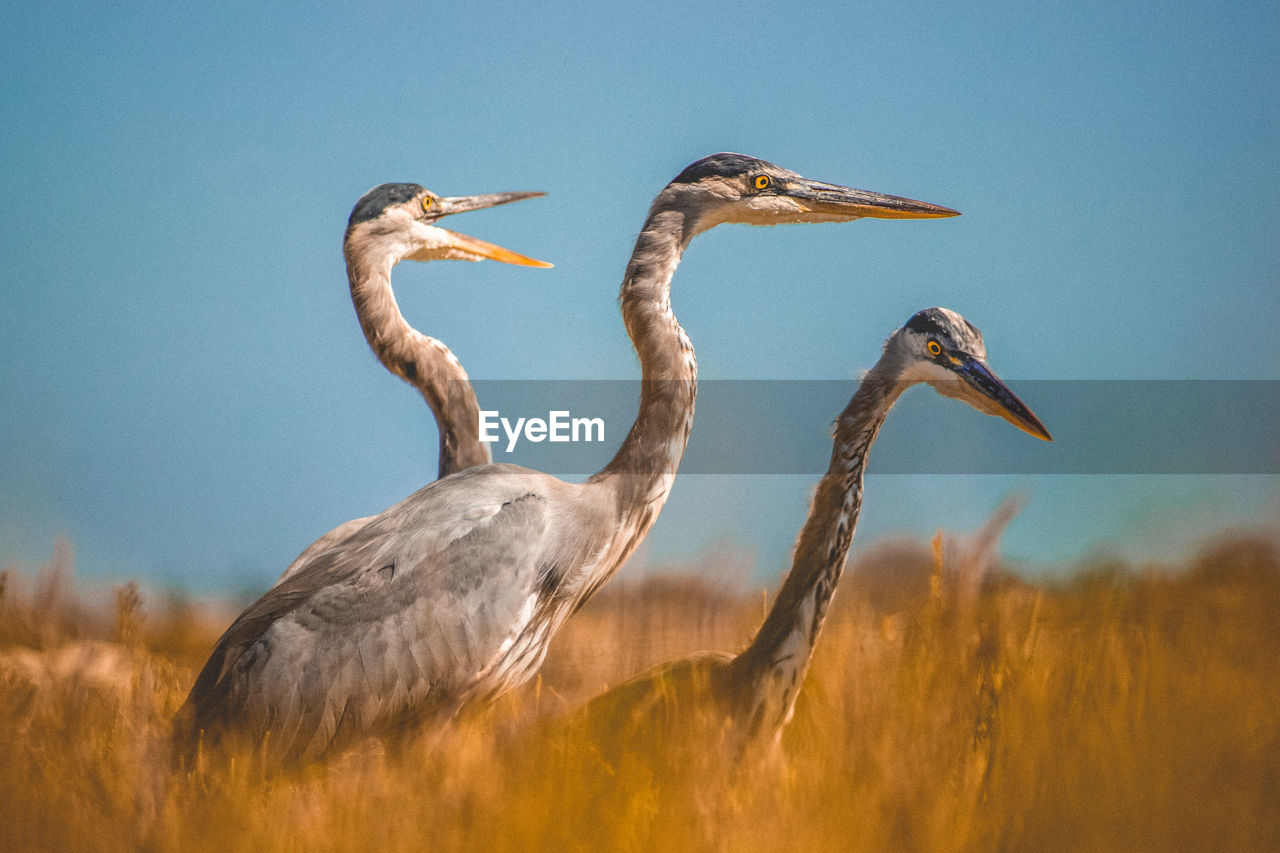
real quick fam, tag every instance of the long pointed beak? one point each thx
(462, 203)
(849, 203)
(476, 246)
(473, 245)
(999, 399)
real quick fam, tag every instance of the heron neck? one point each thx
(644, 467)
(775, 663)
(422, 361)
(647, 461)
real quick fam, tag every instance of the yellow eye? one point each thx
(427, 201)
(762, 181)
(935, 349)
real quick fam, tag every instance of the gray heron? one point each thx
(399, 222)
(451, 596)
(749, 697)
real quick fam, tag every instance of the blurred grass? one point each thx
(1115, 710)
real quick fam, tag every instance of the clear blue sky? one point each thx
(186, 393)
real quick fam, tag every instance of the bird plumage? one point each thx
(396, 222)
(747, 698)
(451, 596)
(391, 223)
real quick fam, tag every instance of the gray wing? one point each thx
(394, 621)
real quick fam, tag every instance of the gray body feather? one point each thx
(415, 613)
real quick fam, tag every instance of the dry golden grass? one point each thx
(1115, 711)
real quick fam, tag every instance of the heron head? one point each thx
(399, 221)
(945, 350)
(727, 188)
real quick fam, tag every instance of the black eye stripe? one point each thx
(722, 165)
(378, 199)
(926, 324)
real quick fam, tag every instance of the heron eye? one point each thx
(427, 202)
(935, 349)
(762, 182)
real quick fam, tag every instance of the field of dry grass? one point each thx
(1116, 710)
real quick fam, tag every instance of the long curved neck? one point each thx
(422, 361)
(773, 667)
(644, 467)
